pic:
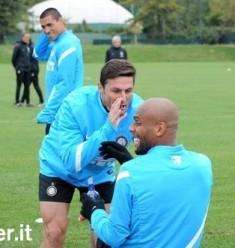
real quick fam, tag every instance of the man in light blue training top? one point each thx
(161, 197)
(64, 71)
(69, 154)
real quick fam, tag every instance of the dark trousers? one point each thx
(22, 77)
(34, 80)
(101, 244)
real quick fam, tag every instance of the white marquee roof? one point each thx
(75, 11)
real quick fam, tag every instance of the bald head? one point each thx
(160, 110)
(116, 41)
(155, 123)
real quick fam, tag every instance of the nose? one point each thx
(124, 96)
(46, 30)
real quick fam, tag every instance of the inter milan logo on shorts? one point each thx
(51, 190)
(121, 140)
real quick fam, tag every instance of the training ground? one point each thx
(201, 80)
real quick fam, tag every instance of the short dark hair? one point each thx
(116, 68)
(51, 12)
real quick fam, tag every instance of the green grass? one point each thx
(151, 53)
(204, 91)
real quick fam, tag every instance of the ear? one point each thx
(160, 128)
(62, 20)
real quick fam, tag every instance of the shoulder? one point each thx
(68, 40)
(132, 167)
(67, 47)
(110, 50)
(89, 90)
(81, 96)
(80, 103)
(200, 157)
(132, 164)
(17, 44)
(201, 162)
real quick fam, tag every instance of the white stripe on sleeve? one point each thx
(51, 94)
(78, 157)
(123, 174)
(198, 233)
(65, 54)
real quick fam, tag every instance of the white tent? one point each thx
(76, 11)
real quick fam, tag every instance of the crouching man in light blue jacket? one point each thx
(161, 197)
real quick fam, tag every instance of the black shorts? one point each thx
(54, 189)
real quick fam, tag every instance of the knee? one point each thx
(55, 232)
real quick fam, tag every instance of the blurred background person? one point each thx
(21, 63)
(116, 51)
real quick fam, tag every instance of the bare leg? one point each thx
(55, 223)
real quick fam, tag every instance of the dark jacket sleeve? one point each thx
(15, 54)
(107, 56)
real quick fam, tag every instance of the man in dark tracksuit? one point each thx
(34, 71)
(21, 62)
(115, 51)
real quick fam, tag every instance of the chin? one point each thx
(142, 150)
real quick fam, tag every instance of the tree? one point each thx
(8, 16)
(222, 13)
(206, 21)
(12, 11)
(193, 17)
(158, 16)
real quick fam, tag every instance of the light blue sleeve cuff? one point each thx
(96, 216)
(43, 118)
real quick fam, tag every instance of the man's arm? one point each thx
(67, 72)
(42, 48)
(107, 56)
(15, 54)
(114, 228)
(77, 150)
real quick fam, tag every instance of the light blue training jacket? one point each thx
(70, 150)
(64, 70)
(160, 201)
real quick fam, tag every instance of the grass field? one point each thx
(152, 53)
(204, 91)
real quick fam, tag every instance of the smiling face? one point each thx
(120, 87)
(143, 130)
(52, 26)
(155, 123)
